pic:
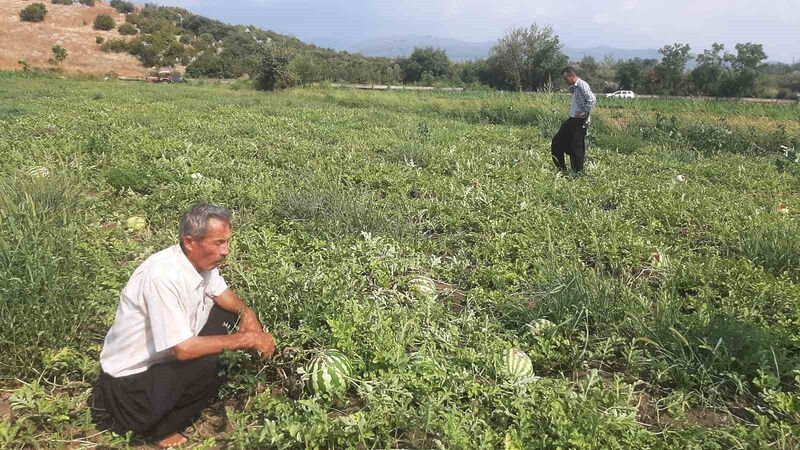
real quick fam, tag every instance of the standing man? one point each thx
(571, 137)
(159, 359)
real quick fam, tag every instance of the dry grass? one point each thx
(69, 27)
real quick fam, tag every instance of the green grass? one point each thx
(341, 196)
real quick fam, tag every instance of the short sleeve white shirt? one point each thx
(165, 302)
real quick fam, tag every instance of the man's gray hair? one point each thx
(194, 222)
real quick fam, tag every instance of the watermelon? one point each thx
(540, 326)
(422, 287)
(38, 172)
(135, 223)
(329, 372)
(516, 364)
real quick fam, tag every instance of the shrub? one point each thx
(273, 72)
(104, 22)
(115, 46)
(127, 29)
(59, 55)
(99, 39)
(61, 2)
(86, 2)
(33, 13)
(122, 6)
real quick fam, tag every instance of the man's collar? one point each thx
(185, 266)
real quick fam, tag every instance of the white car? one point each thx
(622, 94)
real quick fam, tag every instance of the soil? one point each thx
(67, 26)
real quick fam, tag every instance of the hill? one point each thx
(68, 26)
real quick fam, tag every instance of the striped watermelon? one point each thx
(540, 326)
(38, 172)
(135, 223)
(422, 287)
(329, 372)
(516, 364)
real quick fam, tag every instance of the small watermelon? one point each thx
(540, 326)
(329, 372)
(422, 287)
(135, 223)
(38, 172)
(516, 364)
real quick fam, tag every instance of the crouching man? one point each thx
(159, 359)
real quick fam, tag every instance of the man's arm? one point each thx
(229, 301)
(199, 346)
(586, 98)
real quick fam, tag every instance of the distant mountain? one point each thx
(391, 46)
(457, 50)
(598, 53)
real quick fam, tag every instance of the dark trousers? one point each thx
(166, 397)
(570, 140)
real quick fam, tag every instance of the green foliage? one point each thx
(527, 58)
(61, 2)
(59, 55)
(127, 29)
(114, 45)
(425, 62)
(87, 2)
(99, 39)
(273, 72)
(122, 6)
(35, 12)
(104, 22)
(671, 68)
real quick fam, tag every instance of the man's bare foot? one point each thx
(173, 440)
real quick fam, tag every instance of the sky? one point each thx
(630, 24)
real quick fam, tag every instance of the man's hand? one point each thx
(261, 341)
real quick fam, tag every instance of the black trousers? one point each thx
(166, 397)
(570, 140)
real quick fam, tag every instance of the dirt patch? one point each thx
(68, 26)
(5, 406)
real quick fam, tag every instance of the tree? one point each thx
(631, 74)
(589, 68)
(33, 13)
(433, 61)
(305, 68)
(527, 58)
(122, 6)
(274, 69)
(672, 66)
(710, 68)
(745, 70)
(104, 22)
(59, 55)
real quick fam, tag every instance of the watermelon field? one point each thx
(478, 298)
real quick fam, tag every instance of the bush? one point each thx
(273, 72)
(99, 39)
(122, 6)
(33, 13)
(104, 22)
(115, 46)
(61, 2)
(86, 2)
(127, 29)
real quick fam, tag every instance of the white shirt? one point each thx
(583, 100)
(165, 302)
